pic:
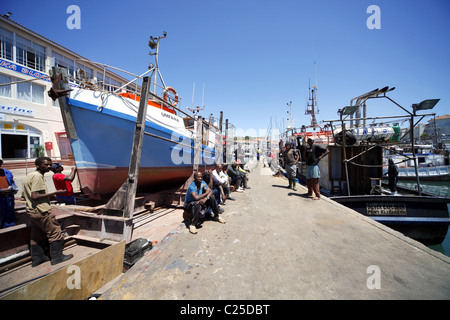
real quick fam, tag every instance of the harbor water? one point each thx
(439, 188)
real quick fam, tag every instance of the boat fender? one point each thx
(170, 89)
(350, 138)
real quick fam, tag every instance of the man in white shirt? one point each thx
(221, 180)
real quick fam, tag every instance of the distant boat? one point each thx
(432, 166)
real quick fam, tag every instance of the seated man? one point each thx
(199, 198)
(235, 175)
(221, 181)
(208, 178)
(244, 175)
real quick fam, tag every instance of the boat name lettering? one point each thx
(386, 209)
(170, 116)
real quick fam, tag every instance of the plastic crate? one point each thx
(134, 251)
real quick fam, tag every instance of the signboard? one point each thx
(28, 71)
(21, 111)
(24, 70)
(386, 209)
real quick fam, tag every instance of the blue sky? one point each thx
(253, 57)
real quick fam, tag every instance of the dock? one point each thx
(278, 244)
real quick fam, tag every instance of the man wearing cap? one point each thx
(63, 182)
(291, 157)
(44, 226)
(7, 191)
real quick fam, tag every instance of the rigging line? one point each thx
(14, 82)
(364, 165)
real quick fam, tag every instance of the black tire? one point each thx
(349, 138)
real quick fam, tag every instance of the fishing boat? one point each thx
(352, 172)
(433, 165)
(101, 126)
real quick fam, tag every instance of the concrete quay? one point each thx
(278, 244)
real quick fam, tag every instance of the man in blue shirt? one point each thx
(7, 191)
(199, 199)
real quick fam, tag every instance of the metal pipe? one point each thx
(414, 154)
(375, 118)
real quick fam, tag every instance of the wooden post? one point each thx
(197, 142)
(123, 201)
(219, 147)
(135, 160)
(62, 84)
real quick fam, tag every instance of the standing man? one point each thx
(313, 154)
(393, 176)
(199, 199)
(7, 191)
(44, 225)
(62, 181)
(291, 157)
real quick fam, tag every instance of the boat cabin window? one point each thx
(188, 123)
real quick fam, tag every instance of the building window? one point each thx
(24, 91)
(108, 84)
(30, 92)
(6, 44)
(64, 62)
(30, 54)
(33, 146)
(84, 73)
(37, 93)
(5, 91)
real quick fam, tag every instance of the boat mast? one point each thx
(311, 107)
(154, 44)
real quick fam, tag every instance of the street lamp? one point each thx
(425, 105)
(346, 111)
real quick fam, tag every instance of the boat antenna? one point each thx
(193, 93)
(315, 72)
(311, 105)
(203, 95)
(153, 43)
(311, 108)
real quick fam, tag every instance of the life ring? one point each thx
(170, 89)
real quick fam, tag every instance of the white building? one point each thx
(29, 118)
(439, 128)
